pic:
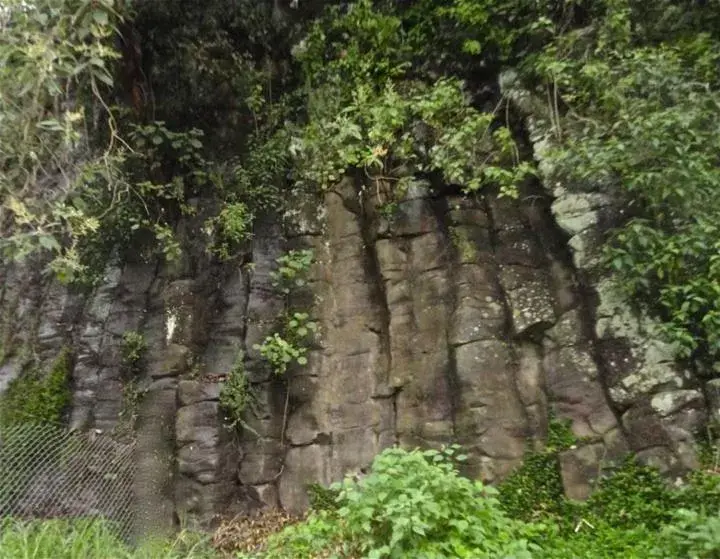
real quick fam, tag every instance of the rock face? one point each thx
(467, 320)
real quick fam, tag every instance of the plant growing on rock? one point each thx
(134, 347)
(236, 394)
(38, 396)
(290, 344)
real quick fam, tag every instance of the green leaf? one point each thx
(100, 17)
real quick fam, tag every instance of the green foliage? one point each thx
(289, 346)
(38, 396)
(235, 394)
(560, 434)
(411, 504)
(232, 226)
(134, 347)
(323, 498)
(638, 125)
(56, 58)
(292, 271)
(632, 496)
(91, 539)
(535, 489)
(365, 111)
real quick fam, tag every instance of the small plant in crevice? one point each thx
(134, 347)
(231, 227)
(292, 270)
(236, 393)
(289, 346)
(132, 396)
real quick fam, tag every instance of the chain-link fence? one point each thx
(49, 472)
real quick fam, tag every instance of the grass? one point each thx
(91, 539)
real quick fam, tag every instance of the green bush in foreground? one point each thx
(415, 504)
(412, 504)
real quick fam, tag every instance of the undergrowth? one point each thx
(415, 504)
(91, 539)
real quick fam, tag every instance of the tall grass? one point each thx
(91, 539)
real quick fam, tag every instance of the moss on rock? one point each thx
(38, 396)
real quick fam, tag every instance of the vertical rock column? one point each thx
(341, 403)
(168, 329)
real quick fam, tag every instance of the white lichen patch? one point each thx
(170, 324)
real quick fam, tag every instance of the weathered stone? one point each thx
(304, 465)
(193, 391)
(668, 403)
(266, 494)
(579, 468)
(191, 420)
(712, 389)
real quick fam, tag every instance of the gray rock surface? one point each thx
(455, 320)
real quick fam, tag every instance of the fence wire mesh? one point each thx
(49, 472)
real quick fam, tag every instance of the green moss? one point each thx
(38, 396)
(463, 244)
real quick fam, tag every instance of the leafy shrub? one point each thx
(292, 270)
(290, 346)
(639, 126)
(410, 504)
(233, 226)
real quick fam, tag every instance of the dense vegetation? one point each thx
(416, 504)
(116, 117)
(110, 110)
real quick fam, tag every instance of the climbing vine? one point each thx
(291, 343)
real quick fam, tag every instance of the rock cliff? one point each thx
(456, 319)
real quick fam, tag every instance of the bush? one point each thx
(411, 504)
